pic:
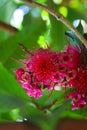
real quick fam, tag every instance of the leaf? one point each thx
(78, 113)
(50, 97)
(40, 1)
(9, 101)
(58, 111)
(5, 117)
(10, 46)
(6, 9)
(9, 116)
(32, 113)
(76, 14)
(57, 33)
(11, 94)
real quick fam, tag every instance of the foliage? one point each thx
(36, 29)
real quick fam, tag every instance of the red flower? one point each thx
(47, 69)
(81, 80)
(44, 64)
(77, 100)
(40, 71)
(69, 61)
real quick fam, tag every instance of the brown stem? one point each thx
(58, 17)
(43, 108)
(25, 49)
(8, 28)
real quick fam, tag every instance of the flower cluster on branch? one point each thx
(46, 69)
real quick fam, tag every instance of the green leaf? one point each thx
(5, 117)
(6, 9)
(57, 34)
(9, 101)
(11, 93)
(32, 113)
(60, 109)
(76, 14)
(10, 46)
(50, 97)
(9, 116)
(40, 1)
(78, 113)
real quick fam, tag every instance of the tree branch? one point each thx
(58, 17)
(8, 28)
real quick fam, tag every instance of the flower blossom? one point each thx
(40, 71)
(79, 84)
(77, 100)
(46, 69)
(69, 60)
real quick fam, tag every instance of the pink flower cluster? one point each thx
(45, 69)
(40, 71)
(79, 83)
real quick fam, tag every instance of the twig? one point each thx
(8, 28)
(25, 49)
(58, 17)
(43, 108)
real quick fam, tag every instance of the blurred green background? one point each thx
(35, 28)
